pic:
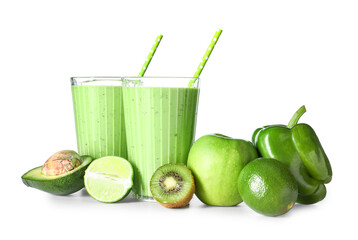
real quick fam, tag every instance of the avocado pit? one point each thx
(61, 162)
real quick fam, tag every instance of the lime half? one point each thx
(109, 179)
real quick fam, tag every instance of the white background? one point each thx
(272, 57)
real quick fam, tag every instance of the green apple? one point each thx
(216, 162)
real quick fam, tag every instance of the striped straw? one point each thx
(150, 56)
(206, 57)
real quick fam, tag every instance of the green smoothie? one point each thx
(160, 127)
(99, 120)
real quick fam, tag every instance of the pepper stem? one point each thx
(298, 114)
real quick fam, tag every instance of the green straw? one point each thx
(206, 57)
(150, 56)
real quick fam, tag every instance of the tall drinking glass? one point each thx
(99, 116)
(160, 117)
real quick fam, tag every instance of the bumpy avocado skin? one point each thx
(60, 185)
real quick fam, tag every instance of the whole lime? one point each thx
(268, 187)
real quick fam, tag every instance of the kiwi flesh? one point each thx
(172, 185)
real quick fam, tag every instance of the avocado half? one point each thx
(63, 184)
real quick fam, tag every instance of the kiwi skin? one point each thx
(185, 201)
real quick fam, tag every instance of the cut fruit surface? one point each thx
(109, 179)
(172, 185)
(62, 184)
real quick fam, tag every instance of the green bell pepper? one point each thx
(298, 147)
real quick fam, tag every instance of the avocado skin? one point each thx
(59, 185)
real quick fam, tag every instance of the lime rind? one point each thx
(109, 179)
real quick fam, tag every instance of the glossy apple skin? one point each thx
(216, 162)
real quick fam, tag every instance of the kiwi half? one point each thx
(172, 185)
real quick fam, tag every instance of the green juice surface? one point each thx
(99, 118)
(160, 127)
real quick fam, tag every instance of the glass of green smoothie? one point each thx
(160, 116)
(99, 116)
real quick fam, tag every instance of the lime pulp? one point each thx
(109, 179)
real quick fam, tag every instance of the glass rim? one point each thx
(127, 77)
(126, 81)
